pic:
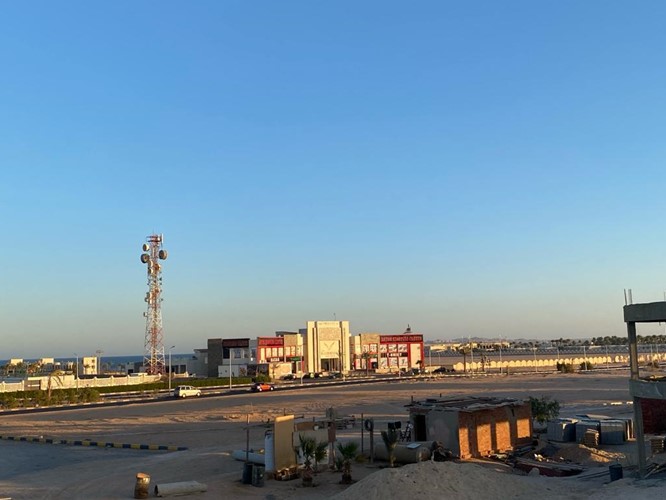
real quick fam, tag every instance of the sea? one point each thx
(107, 363)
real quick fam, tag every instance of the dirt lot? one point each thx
(32, 470)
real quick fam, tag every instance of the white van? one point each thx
(183, 391)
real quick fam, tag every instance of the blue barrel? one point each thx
(247, 473)
(258, 475)
(615, 471)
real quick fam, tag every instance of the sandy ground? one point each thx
(32, 470)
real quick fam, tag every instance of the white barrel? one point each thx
(269, 451)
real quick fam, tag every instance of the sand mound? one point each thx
(427, 480)
(584, 455)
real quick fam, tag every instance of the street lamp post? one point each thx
(170, 367)
(585, 357)
(230, 368)
(536, 369)
(76, 368)
(500, 353)
(99, 353)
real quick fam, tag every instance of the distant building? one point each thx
(327, 346)
(388, 353)
(229, 357)
(285, 347)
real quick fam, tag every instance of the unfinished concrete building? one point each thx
(648, 393)
(473, 426)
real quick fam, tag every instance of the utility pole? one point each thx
(170, 371)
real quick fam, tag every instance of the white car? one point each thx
(183, 391)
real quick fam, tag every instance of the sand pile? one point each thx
(465, 481)
(584, 455)
(428, 480)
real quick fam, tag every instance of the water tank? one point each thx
(582, 426)
(612, 432)
(562, 429)
(269, 451)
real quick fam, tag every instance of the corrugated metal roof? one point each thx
(464, 403)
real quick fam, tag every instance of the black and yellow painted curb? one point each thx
(98, 444)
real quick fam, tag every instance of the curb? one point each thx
(98, 444)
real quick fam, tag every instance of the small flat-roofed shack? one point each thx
(473, 426)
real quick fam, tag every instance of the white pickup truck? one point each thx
(183, 391)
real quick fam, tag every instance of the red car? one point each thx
(262, 386)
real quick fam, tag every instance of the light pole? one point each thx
(99, 360)
(606, 356)
(500, 353)
(471, 353)
(76, 376)
(534, 349)
(230, 368)
(585, 357)
(170, 367)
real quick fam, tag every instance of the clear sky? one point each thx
(476, 168)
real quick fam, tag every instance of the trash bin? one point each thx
(247, 473)
(141, 485)
(615, 471)
(258, 475)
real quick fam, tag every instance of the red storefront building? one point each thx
(388, 353)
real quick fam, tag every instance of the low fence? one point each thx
(550, 363)
(71, 382)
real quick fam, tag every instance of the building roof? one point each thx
(464, 403)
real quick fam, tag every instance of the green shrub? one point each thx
(586, 365)
(544, 408)
(565, 367)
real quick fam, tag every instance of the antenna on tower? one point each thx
(153, 358)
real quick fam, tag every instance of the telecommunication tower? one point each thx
(153, 358)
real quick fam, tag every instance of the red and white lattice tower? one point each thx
(153, 358)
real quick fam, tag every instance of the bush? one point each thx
(544, 408)
(89, 395)
(565, 367)
(586, 365)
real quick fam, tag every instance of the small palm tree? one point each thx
(319, 454)
(390, 439)
(348, 453)
(307, 447)
(55, 374)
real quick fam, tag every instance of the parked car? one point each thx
(288, 376)
(184, 391)
(312, 375)
(335, 375)
(262, 387)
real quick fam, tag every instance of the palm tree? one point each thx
(307, 447)
(390, 438)
(57, 374)
(319, 454)
(348, 453)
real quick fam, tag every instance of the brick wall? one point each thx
(654, 416)
(494, 430)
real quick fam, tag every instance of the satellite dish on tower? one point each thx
(146, 247)
(163, 254)
(145, 258)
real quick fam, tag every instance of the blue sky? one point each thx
(470, 168)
